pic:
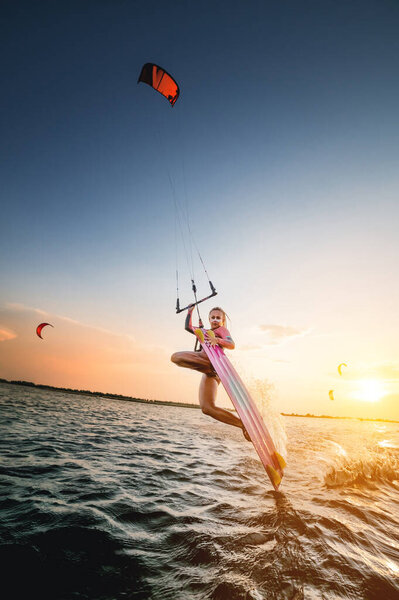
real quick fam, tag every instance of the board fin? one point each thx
(274, 476)
(280, 460)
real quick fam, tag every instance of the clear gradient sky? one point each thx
(284, 143)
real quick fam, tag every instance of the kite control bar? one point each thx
(214, 293)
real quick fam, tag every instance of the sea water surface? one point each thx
(106, 499)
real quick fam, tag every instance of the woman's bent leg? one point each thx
(207, 396)
(198, 361)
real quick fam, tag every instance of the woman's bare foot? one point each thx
(246, 434)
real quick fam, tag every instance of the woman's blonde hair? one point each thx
(225, 315)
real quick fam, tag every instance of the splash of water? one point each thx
(372, 468)
(262, 392)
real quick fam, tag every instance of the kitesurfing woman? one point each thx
(200, 362)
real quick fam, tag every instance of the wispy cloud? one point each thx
(18, 307)
(389, 371)
(247, 347)
(279, 360)
(278, 334)
(6, 334)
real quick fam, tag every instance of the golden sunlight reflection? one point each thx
(387, 444)
(369, 390)
(339, 449)
(393, 567)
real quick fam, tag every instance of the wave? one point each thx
(375, 469)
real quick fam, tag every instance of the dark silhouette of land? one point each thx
(163, 402)
(330, 417)
(97, 394)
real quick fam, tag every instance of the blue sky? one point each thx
(284, 143)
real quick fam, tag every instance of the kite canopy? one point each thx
(340, 367)
(331, 394)
(40, 327)
(160, 80)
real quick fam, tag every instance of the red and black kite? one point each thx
(40, 327)
(160, 80)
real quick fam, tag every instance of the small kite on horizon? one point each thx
(331, 394)
(340, 367)
(40, 327)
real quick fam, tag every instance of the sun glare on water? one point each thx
(369, 390)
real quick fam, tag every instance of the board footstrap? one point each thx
(274, 476)
(280, 460)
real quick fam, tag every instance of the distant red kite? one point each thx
(40, 327)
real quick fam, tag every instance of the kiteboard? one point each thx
(246, 408)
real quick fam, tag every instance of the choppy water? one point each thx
(105, 499)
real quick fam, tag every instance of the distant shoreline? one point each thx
(308, 415)
(98, 394)
(164, 402)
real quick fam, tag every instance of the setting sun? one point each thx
(369, 390)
